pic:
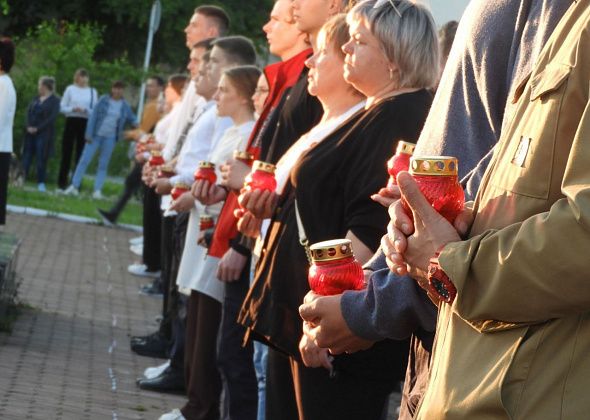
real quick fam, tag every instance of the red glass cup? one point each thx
(334, 268)
(166, 172)
(244, 157)
(206, 222)
(206, 172)
(400, 161)
(437, 177)
(178, 190)
(262, 177)
(156, 159)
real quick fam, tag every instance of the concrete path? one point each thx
(68, 356)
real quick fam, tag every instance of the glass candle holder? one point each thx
(334, 268)
(437, 177)
(206, 222)
(400, 161)
(166, 171)
(244, 157)
(206, 172)
(178, 190)
(262, 177)
(156, 159)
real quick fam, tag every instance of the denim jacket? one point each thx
(99, 112)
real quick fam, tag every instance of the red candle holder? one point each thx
(437, 177)
(262, 177)
(206, 172)
(156, 159)
(166, 171)
(400, 161)
(334, 268)
(178, 190)
(206, 222)
(244, 157)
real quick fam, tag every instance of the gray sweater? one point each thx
(496, 45)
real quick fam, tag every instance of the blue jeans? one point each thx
(35, 146)
(106, 146)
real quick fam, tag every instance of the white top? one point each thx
(78, 97)
(163, 126)
(197, 270)
(205, 132)
(7, 110)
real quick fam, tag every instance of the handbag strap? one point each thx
(302, 236)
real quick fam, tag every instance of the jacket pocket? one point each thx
(525, 164)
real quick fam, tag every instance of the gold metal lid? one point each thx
(205, 218)
(206, 165)
(405, 147)
(238, 154)
(336, 249)
(156, 153)
(182, 186)
(259, 165)
(434, 165)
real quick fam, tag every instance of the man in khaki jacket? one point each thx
(514, 342)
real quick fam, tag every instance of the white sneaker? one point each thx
(60, 191)
(173, 415)
(154, 372)
(137, 249)
(136, 241)
(141, 270)
(71, 190)
(41, 187)
(97, 195)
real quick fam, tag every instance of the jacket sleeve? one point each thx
(533, 270)
(51, 114)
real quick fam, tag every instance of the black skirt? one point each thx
(4, 170)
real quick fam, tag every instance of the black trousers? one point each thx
(132, 184)
(152, 219)
(294, 392)
(166, 252)
(73, 137)
(5, 158)
(236, 362)
(203, 383)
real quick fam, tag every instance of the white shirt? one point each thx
(7, 110)
(78, 97)
(235, 138)
(206, 131)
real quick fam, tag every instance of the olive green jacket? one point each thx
(516, 341)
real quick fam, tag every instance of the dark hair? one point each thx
(81, 72)
(206, 44)
(217, 15)
(48, 82)
(118, 84)
(244, 79)
(177, 81)
(6, 54)
(239, 49)
(446, 36)
(157, 79)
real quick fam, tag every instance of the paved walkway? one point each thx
(68, 357)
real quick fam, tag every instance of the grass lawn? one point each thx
(83, 205)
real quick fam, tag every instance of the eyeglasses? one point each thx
(380, 3)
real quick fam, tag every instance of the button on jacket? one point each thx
(516, 341)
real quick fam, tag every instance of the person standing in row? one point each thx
(7, 110)
(77, 103)
(40, 129)
(105, 127)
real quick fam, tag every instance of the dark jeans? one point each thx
(152, 218)
(35, 146)
(132, 184)
(236, 362)
(5, 158)
(73, 137)
(170, 292)
(291, 388)
(203, 383)
(179, 335)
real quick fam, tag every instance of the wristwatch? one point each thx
(439, 282)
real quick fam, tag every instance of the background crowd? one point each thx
(242, 335)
